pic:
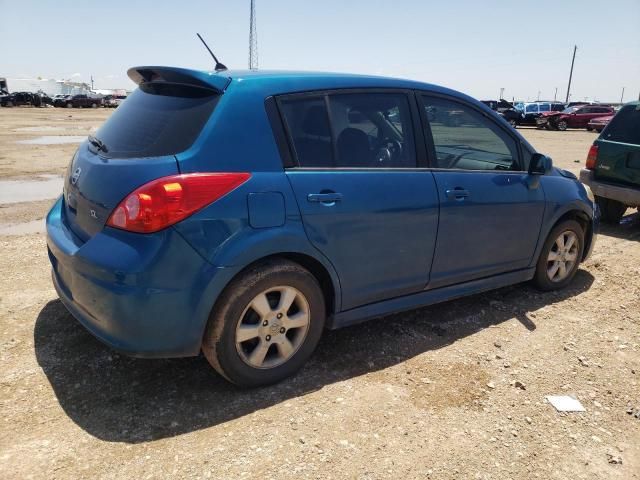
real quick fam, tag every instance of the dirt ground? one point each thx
(455, 390)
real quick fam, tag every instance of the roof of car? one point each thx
(278, 81)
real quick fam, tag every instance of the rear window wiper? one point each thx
(99, 144)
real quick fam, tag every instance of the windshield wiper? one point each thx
(99, 144)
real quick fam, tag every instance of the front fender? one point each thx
(563, 196)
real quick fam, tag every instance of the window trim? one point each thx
(420, 152)
(428, 134)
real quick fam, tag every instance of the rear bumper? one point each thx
(627, 195)
(143, 295)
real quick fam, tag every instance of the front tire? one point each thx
(560, 256)
(266, 324)
(562, 125)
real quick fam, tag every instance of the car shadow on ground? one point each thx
(627, 229)
(121, 399)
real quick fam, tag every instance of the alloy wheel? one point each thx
(272, 327)
(562, 256)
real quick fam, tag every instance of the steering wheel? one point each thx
(388, 150)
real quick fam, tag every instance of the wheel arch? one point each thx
(585, 222)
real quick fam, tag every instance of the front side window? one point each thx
(531, 109)
(358, 130)
(465, 139)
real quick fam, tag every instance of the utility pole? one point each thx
(91, 82)
(538, 96)
(501, 93)
(575, 47)
(622, 96)
(253, 38)
(555, 95)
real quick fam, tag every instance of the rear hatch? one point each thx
(136, 145)
(619, 148)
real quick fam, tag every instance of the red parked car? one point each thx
(573, 117)
(599, 123)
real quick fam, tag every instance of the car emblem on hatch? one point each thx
(76, 176)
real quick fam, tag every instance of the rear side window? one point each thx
(358, 130)
(625, 126)
(156, 120)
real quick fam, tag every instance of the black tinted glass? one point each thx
(308, 125)
(156, 120)
(625, 126)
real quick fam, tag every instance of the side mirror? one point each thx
(540, 164)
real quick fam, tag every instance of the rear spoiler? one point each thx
(217, 81)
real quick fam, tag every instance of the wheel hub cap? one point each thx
(563, 256)
(272, 327)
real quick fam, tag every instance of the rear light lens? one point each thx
(168, 200)
(592, 157)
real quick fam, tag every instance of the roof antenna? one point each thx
(219, 66)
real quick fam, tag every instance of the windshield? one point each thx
(570, 109)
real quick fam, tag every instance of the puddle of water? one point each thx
(16, 191)
(49, 128)
(53, 140)
(27, 228)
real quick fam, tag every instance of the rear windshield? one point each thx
(156, 120)
(625, 126)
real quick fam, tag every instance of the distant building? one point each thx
(48, 86)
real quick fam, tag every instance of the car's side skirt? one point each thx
(427, 297)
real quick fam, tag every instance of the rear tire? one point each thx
(611, 210)
(266, 324)
(560, 256)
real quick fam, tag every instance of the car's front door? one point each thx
(581, 117)
(490, 215)
(364, 203)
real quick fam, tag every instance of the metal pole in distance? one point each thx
(253, 38)
(555, 95)
(622, 96)
(575, 47)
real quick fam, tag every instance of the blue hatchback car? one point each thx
(241, 213)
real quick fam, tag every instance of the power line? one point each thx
(253, 38)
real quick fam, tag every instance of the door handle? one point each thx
(326, 198)
(457, 193)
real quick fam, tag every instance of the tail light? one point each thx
(168, 200)
(592, 157)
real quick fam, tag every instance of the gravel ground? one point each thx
(455, 390)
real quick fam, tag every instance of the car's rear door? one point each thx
(365, 203)
(619, 148)
(490, 216)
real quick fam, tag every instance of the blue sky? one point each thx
(477, 47)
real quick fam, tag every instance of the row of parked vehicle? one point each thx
(39, 99)
(553, 115)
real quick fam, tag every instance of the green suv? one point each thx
(613, 165)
